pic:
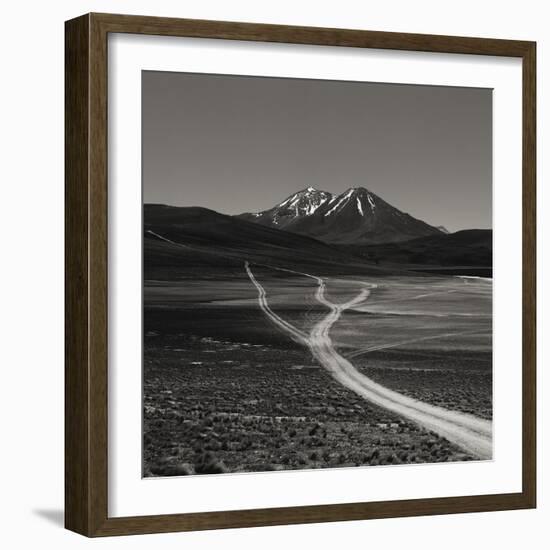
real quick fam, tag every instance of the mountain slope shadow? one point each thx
(189, 239)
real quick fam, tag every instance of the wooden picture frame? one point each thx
(86, 414)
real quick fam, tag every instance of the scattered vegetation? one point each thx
(213, 410)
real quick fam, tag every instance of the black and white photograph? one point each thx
(274, 275)
(317, 274)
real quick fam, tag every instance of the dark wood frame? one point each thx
(86, 274)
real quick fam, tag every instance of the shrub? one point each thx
(208, 464)
(182, 469)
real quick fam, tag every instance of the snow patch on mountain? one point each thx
(371, 202)
(312, 207)
(335, 207)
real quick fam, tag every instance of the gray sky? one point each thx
(238, 144)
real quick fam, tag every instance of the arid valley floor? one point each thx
(228, 390)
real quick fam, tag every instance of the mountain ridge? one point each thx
(356, 216)
(183, 240)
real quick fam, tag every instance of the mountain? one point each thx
(443, 229)
(466, 252)
(356, 216)
(182, 242)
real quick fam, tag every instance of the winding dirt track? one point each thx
(471, 433)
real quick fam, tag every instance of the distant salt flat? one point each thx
(488, 279)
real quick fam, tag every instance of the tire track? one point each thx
(469, 432)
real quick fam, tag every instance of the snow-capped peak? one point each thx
(365, 197)
(363, 200)
(309, 200)
(302, 203)
(355, 215)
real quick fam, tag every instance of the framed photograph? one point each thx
(300, 275)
